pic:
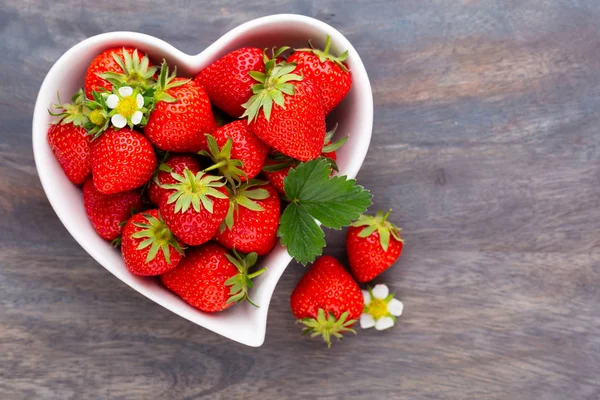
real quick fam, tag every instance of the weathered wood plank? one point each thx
(485, 144)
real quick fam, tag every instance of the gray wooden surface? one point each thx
(486, 144)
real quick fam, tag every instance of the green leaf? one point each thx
(301, 234)
(334, 201)
(338, 203)
(314, 194)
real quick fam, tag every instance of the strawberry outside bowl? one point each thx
(242, 322)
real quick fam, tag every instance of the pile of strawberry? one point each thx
(196, 178)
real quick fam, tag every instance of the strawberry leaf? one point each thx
(315, 195)
(301, 234)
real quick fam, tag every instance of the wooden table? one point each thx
(486, 144)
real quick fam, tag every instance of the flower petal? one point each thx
(136, 118)
(380, 291)
(140, 100)
(112, 101)
(118, 120)
(384, 323)
(366, 297)
(367, 321)
(395, 307)
(125, 91)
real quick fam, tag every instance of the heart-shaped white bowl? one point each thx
(243, 322)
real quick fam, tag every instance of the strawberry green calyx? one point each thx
(380, 224)
(193, 190)
(324, 54)
(283, 162)
(227, 166)
(244, 196)
(164, 83)
(271, 87)
(162, 157)
(98, 115)
(329, 146)
(136, 71)
(156, 234)
(74, 112)
(242, 282)
(326, 326)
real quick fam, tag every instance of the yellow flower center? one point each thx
(378, 308)
(97, 118)
(127, 106)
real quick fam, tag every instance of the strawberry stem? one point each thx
(218, 165)
(327, 45)
(257, 273)
(192, 180)
(385, 216)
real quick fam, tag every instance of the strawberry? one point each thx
(327, 71)
(227, 80)
(373, 245)
(236, 152)
(121, 160)
(252, 220)
(195, 206)
(120, 66)
(327, 300)
(210, 279)
(292, 120)
(109, 212)
(278, 165)
(68, 139)
(176, 163)
(148, 246)
(182, 115)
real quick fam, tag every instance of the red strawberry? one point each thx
(276, 170)
(227, 81)
(292, 120)
(121, 160)
(252, 221)
(373, 245)
(327, 300)
(327, 71)
(148, 246)
(108, 212)
(211, 279)
(195, 206)
(236, 152)
(69, 140)
(181, 117)
(277, 165)
(124, 66)
(176, 163)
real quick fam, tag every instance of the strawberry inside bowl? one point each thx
(243, 323)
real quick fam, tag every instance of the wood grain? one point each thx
(486, 145)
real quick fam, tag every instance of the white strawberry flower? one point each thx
(127, 107)
(381, 308)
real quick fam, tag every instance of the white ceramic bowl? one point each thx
(242, 323)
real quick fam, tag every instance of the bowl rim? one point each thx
(39, 133)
